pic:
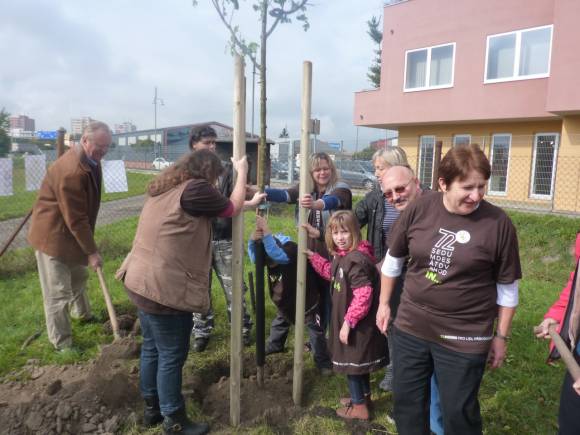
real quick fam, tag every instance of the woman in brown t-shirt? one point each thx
(463, 273)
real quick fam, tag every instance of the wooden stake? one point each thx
(305, 181)
(239, 151)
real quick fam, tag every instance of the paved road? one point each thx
(110, 211)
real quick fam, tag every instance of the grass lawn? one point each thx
(520, 398)
(21, 201)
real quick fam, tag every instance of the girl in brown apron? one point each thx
(357, 347)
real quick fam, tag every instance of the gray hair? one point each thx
(93, 126)
(392, 156)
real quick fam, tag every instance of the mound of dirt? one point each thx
(99, 397)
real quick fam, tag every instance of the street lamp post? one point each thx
(156, 101)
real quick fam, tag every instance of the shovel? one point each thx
(565, 353)
(110, 307)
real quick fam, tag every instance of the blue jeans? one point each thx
(359, 386)
(435, 414)
(163, 354)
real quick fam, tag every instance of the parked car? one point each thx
(356, 173)
(279, 170)
(160, 163)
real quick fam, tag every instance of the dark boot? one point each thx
(152, 414)
(178, 423)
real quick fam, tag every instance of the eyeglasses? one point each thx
(399, 189)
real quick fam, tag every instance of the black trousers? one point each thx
(568, 418)
(458, 375)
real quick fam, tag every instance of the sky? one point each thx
(103, 58)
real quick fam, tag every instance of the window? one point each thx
(500, 155)
(461, 139)
(426, 157)
(523, 54)
(429, 68)
(544, 165)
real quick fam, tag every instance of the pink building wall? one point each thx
(422, 23)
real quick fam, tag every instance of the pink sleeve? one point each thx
(321, 265)
(360, 305)
(228, 211)
(558, 310)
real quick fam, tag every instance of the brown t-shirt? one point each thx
(455, 261)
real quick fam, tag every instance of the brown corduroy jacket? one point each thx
(65, 213)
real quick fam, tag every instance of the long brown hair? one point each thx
(314, 162)
(342, 219)
(202, 164)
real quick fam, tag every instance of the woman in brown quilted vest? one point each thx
(168, 286)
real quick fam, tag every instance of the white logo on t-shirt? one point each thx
(442, 251)
(463, 237)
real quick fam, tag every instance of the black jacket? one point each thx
(369, 211)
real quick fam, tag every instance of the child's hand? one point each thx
(308, 202)
(312, 232)
(257, 198)
(309, 253)
(257, 234)
(262, 225)
(344, 331)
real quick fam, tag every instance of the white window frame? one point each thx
(517, 52)
(554, 165)
(507, 172)
(419, 171)
(428, 69)
(460, 135)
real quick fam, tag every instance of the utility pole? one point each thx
(156, 101)
(356, 144)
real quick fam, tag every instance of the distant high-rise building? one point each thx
(22, 123)
(77, 125)
(125, 127)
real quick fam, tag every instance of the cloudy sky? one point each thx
(103, 58)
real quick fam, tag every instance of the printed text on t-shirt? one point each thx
(442, 253)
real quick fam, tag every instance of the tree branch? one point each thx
(236, 41)
(280, 13)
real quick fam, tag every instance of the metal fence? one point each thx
(529, 172)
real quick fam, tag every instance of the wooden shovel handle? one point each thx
(110, 307)
(565, 353)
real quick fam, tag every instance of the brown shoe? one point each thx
(354, 411)
(345, 401)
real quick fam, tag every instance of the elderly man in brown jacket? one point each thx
(62, 231)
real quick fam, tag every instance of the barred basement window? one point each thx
(500, 155)
(426, 158)
(544, 165)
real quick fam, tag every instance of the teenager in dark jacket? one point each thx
(281, 262)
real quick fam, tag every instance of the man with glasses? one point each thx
(400, 186)
(62, 232)
(204, 137)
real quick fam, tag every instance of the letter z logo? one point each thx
(446, 242)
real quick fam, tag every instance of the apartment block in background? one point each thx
(78, 124)
(22, 123)
(503, 74)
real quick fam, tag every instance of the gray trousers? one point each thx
(279, 333)
(64, 294)
(222, 265)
